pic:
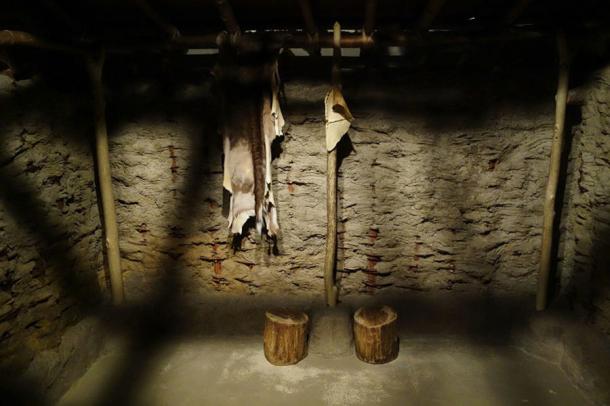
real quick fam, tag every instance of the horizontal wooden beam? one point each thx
(20, 38)
(273, 40)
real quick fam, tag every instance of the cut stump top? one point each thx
(286, 316)
(375, 316)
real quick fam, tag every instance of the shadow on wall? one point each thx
(144, 325)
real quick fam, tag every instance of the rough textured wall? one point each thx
(441, 188)
(587, 249)
(50, 235)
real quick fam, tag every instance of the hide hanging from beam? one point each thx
(251, 120)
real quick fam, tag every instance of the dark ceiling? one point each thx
(112, 19)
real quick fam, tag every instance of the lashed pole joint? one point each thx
(95, 66)
(370, 12)
(310, 27)
(229, 20)
(548, 226)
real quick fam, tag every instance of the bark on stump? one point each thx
(285, 336)
(376, 334)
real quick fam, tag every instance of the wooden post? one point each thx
(331, 228)
(331, 189)
(376, 334)
(548, 229)
(95, 65)
(20, 38)
(285, 336)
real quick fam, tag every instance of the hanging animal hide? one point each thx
(337, 116)
(252, 119)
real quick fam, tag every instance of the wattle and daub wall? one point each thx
(441, 190)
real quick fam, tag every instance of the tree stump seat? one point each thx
(376, 334)
(285, 336)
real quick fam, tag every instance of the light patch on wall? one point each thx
(202, 51)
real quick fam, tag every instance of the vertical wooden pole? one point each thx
(548, 229)
(331, 189)
(95, 65)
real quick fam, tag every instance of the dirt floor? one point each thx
(218, 370)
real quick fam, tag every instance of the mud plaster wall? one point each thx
(441, 191)
(50, 250)
(586, 224)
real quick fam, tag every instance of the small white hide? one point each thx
(338, 117)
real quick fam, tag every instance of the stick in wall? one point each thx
(95, 65)
(548, 229)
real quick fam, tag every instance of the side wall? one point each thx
(50, 236)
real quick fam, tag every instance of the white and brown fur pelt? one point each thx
(251, 119)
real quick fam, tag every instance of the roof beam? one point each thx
(20, 38)
(168, 29)
(301, 40)
(273, 39)
(430, 13)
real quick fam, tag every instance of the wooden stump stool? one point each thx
(285, 336)
(375, 334)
